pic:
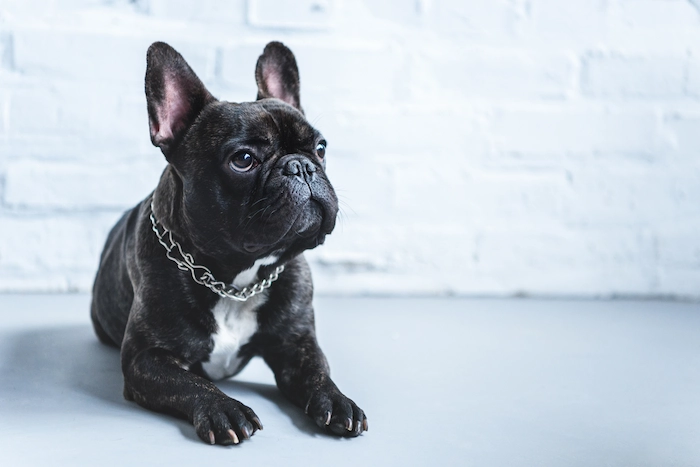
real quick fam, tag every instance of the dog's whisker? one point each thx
(317, 119)
(269, 217)
(213, 239)
(259, 201)
(251, 217)
(342, 205)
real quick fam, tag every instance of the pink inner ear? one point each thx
(274, 85)
(171, 112)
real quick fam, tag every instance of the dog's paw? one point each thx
(334, 412)
(225, 421)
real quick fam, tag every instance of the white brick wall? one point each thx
(486, 147)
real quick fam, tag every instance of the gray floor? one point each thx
(444, 382)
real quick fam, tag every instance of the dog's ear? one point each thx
(175, 96)
(277, 74)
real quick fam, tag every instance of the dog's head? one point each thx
(251, 175)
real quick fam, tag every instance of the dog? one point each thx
(208, 271)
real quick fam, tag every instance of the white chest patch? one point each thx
(236, 323)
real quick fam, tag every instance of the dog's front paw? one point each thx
(332, 411)
(224, 421)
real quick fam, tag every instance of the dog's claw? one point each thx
(212, 440)
(257, 422)
(336, 414)
(246, 432)
(365, 425)
(233, 436)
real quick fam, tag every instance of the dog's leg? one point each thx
(303, 376)
(157, 380)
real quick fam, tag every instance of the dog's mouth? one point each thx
(309, 228)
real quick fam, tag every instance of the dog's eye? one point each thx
(242, 162)
(321, 149)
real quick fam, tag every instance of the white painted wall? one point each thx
(482, 147)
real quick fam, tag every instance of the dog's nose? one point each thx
(301, 168)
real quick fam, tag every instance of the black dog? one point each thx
(208, 271)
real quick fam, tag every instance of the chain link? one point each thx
(201, 274)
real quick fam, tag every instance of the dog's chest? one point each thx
(236, 323)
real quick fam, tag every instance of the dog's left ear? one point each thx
(277, 74)
(175, 96)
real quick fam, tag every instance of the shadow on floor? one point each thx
(270, 392)
(58, 361)
(54, 369)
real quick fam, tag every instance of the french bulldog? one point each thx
(208, 271)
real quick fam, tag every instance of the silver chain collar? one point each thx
(201, 274)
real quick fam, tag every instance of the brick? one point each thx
(231, 13)
(238, 70)
(497, 73)
(46, 281)
(306, 14)
(399, 13)
(678, 283)
(562, 262)
(75, 149)
(658, 14)
(578, 25)
(485, 20)
(575, 129)
(516, 161)
(354, 250)
(358, 74)
(88, 109)
(434, 193)
(4, 114)
(26, 104)
(90, 121)
(693, 80)
(364, 186)
(6, 51)
(80, 55)
(683, 128)
(26, 8)
(636, 25)
(514, 198)
(642, 196)
(47, 8)
(466, 196)
(53, 243)
(99, 58)
(64, 186)
(402, 131)
(679, 245)
(641, 77)
(367, 258)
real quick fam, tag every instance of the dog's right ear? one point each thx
(277, 75)
(174, 94)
